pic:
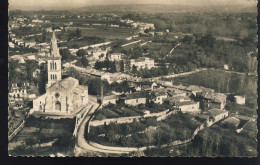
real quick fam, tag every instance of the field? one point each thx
(104, 32)
(33, 139)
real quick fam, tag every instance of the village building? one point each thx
(62, 96)
(226, 67)
(218, 114)
(142, 63)
(187, 106)
(110, 99)
(158, 96)
(115, 56)
(134, 99)
(240, 100)
(98, 74)
(212, 100)
(231, 122)
(175, 92)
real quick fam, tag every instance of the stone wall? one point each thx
(10, 137)
(123, 120)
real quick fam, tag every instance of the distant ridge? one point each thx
(146, 8)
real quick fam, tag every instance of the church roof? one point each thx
(68, 82)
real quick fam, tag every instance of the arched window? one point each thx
(55, 66)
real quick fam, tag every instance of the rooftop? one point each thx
(141, 59)
(216, 97)
(136, 95)
(232, 120)
(178, 103)
(110, 97)
(216, 112)
(194, 88)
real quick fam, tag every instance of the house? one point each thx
(21, 61)
(231, 122)
(111, 99)
(29, 44)
(148, 85)
(240, 100)
(173, 99)
(134, 99)
(141, 63)
(226, 67)
(158, 96)
(212, 100)
(193, 89)
(10, 44)
(175, 92)
(119, 77)
(187, 106)
(93, 73)
(218, 114)
(115, 56)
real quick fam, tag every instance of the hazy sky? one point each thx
(82, 3)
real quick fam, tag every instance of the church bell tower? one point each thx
(54, 63)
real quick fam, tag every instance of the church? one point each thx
(63, 96)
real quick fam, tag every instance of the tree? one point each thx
(66, 55)
(112, 67)
(81, 53)
(78, 32)
(122, 68)
(44, 35)
(84, 62)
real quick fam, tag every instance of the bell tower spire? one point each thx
(54, 62)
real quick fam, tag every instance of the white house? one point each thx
(187, 106)
(218, 114)
(115, 56)
(240, 100)
(159, 96)
(135, 99)
(142, 62)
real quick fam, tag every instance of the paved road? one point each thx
(81, 142)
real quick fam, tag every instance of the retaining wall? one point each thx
(123, 120)
(10, 137)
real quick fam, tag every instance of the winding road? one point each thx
(81, 144)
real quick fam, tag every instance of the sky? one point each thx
(66, 4)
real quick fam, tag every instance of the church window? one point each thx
(57, 95)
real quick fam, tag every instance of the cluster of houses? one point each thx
(141, 25)
(18, 94)
(185, 99)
